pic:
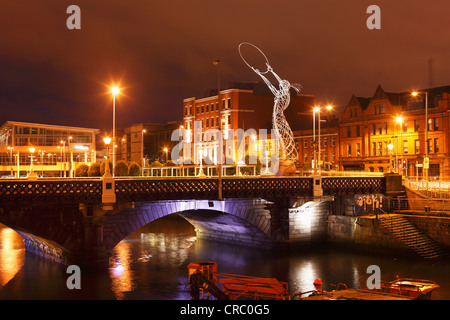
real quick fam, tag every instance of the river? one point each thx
(152, 264)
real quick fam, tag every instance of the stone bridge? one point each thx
(68, 220)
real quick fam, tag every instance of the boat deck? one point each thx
(356, 294)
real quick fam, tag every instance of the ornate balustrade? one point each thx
(74, 191)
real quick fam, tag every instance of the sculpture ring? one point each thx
(251, 67)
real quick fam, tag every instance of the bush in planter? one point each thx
(121, 169)
(94, 170)
(134, 169)
(82, 170)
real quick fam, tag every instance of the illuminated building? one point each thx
(54, 150)
(368, 125)
(242, 106)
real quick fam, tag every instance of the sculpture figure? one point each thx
(282, 99)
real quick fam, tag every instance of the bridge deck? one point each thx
(82, 190)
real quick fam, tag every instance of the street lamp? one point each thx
(390, 147)
(114, 91)
(166, 152)
(426, 159)
(220, 151)
(317, 144)
(400, 120)
(32, 175)
(142, 151)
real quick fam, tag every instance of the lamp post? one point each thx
(107, 141)
(390, 147)
(267, 161)
(317, 144)
(166, 152)
(114, 91)
(220, 147)
(400, 120)
(142, 151)
(63, 152)
(32, 175)
(426, 159)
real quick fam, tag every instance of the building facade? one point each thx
(53, 150)
(244, 106)
(397, 131)
(149, 141)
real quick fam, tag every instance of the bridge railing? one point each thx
(89, 190)
(436, 189)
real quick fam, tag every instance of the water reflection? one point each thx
(152, 264)
(12, 254)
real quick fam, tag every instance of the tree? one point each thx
(135, 169)
(94, 170)
(82, 170)
(121, 169)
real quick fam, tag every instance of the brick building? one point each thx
(242, 106)
(369, 126)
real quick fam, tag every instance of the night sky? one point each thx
(160, 52)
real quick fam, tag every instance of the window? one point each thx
(333, 157)
(212, 122)
(305, 143)
(374, 130)
(207, 108)
(405, 146)
(380, 148)
(217, 106)
(229, 119)
(325, 142)
(358, 149)
(349, 132)
(229, 103)
(436, 145)
(325, 157)
(379, 128)
(349, 150)
(416, 125)
(417, 146)
(358, 131)
(374, 148)
(207, 122)
(223, 104)
(436, 124)
(198, 109)
(430, 124)
(333, 142)
(430, 146)
(203, 108)
(305, 157)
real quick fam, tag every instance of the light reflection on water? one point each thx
(12, 254)
(152, 264)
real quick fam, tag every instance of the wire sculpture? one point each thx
(282, 99)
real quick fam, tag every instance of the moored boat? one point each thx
(415, 288)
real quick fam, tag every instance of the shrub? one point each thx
(156, 163)
(135, 169)
(94, 170)
(121, 169)
(82, 170)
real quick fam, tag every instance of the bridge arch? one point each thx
(246, 221)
